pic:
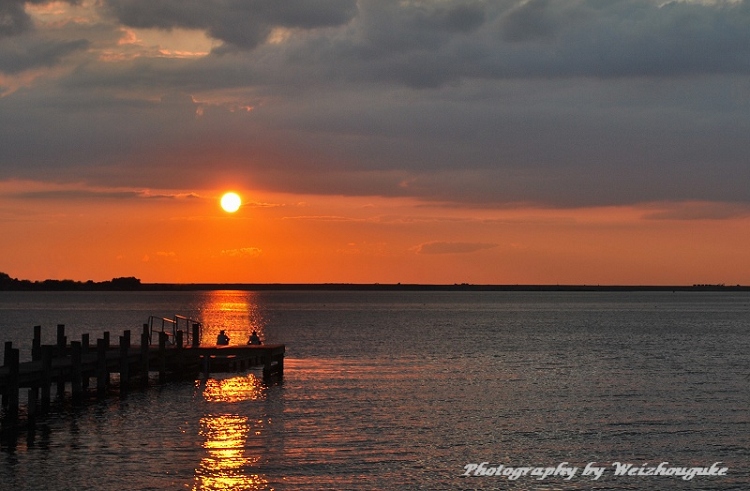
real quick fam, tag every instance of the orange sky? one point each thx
(314, 239)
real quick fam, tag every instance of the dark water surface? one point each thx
(394, 390)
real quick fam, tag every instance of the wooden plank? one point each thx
(76, 372)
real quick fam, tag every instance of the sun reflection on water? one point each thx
(235, 312)
(229, 462)
(235, 389)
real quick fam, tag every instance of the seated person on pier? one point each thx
(254, 339)
(222, 339)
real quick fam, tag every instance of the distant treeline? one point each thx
(131, 283)
(127, 283)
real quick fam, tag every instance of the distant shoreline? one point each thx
(134, 284)
(429, 287)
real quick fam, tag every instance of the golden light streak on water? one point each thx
(242, 388)
(228, 463)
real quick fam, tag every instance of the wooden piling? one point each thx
(162, 357)
(144, 355)
(47, 352)
(14, 361)
(36, 344)
(7, 359)
(76, 371)
(32, 406)
(62, 341)
(124, 373)
(178, 346)
(106, 338)
(6, 356)
(85, 340)
(196, 335)
(85, 374)
(267, 367)
(280, 365)
(102, 374)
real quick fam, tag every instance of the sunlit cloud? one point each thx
(698, 211)
(242, 252)
(96, 194)
(452, 247)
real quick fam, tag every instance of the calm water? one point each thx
(403, 390)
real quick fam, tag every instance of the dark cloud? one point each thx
(560, 103)
(242, 23)
(530, 21)
(95, 195)
(19, 54)
(626, 38)
(544, 142)
(13, 18)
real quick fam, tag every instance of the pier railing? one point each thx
(192, 331)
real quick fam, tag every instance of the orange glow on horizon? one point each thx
(181, 237)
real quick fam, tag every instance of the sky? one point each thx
(376, 141)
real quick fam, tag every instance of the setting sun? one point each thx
(231, 202)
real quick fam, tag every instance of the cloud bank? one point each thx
(490, 103)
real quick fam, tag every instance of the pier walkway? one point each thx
(72, 366)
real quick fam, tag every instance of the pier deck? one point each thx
(72, 366)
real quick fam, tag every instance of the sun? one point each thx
(231, 202)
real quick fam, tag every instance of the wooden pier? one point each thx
(73, 366)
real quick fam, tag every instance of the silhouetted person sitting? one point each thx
(222, 339)
(254, 339)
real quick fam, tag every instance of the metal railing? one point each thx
(171, 326)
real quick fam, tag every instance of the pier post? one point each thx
(47, 352)
(102, 374)
(196, 335)
(7, 359)
(36, 345)
(144, 355)
(12, 361)
(124, 374)
(62, 341)
(268, 359)
(162, 357)
(60, 391)
(76, 373)
(32, 406)
(6, 356)
(179, 335)
(85, 351)
(106, 338)
(147, 331)
(206, 365)
(280, 365)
